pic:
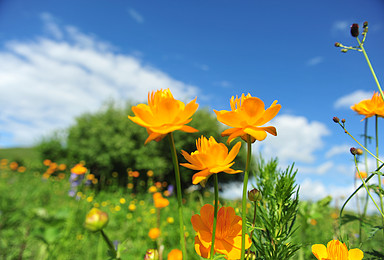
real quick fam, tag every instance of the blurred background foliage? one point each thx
(107, 141)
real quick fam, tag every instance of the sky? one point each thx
(60, 59)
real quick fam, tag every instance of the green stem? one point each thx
(377, 165)
(179, 196)
(109, 243)
(371, 68)
(253, 225)
(362, 146)
(244, 199)
(366, 188)
(215, 215)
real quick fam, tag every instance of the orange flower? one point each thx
(211, 157)
(159, 200)
(228, 232)
(13, 166)
(154, 233)
(163, 115)
(79, 169)
(364, 175)
(336, 250)
(370, 107)
(175, 254)
(247, 117)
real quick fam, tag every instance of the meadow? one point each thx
(39, 220)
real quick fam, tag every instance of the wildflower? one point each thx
(163, 115)
(96, 220)
(363, 174)
(370, 107)
(175, 254)
(47, 162)
(122, 201)
(355, 30)
(211, 157)
(21, 169)
(170, 220)
(79, 169)
(150, 173)
(247, 117)
(62, 167)
(132, 207)
(154, 233)
(152, 189)
(336, 250)
(13, 166)
(159, 200)
(228, 232)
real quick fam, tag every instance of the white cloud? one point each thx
(223, 83)
(45, 83)
(203, 67)
(341, 26)
(352, 98)
(297, 139)
(338, 149)
(315, 61)
(135, 15)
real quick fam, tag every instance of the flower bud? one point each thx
(337, 44)
(353, 151)
(355, 30)
(344, 50)
(359, 151)
(151, 254)
(254, 195)
(96, 220)
(336, 119)
(343, 121)
(365, 24)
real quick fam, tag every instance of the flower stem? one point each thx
(253, 225)
(215, 215)
(244, 199)
(179, 196)
(371, 68)
(366, 188)
(109, 243)
(377, 165)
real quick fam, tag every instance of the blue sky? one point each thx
(60, 59)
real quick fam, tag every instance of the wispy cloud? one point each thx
(352, 98)
(55, 80)
(336, 150)
(135, 15)
(223, 84)
(203, 67)
(50, 25)
(315, 61)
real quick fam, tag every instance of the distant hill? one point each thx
(28, 154)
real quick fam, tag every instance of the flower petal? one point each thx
(355, 254)
(319, 251)
(259, 135)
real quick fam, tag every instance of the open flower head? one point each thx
(247, 117)
(211, 157)
(370, 107)
(228, 232)
(163, 115)
(336, 250)
(79, 169)
(159, 200)
(175, 254)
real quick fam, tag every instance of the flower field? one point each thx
(58, 203)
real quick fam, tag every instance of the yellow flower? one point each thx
(175, 254)
(163, 115)
(363, 174)
(336, 250)
(211, 157)
(228, 232)
(247, 117)
(154, 233)
(370, 107)
(132, 207)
